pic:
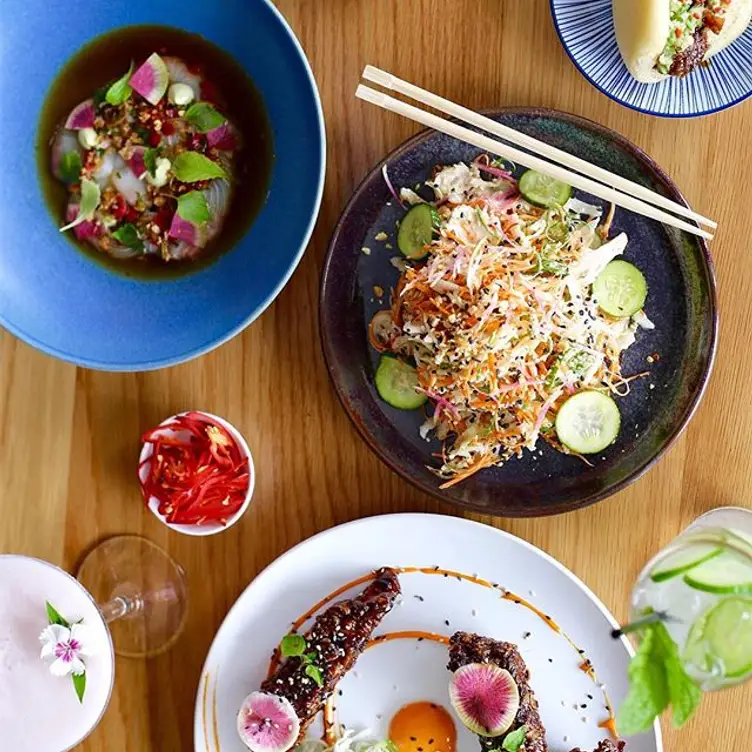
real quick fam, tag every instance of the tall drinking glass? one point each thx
(701, 587)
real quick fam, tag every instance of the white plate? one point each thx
(390, 675)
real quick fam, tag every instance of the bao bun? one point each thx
(642, 29)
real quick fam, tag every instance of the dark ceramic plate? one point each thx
(681, 302)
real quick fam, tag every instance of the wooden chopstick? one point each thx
(388, 81)
(526, 160)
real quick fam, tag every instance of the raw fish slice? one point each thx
(179, 74)
(128, 184)
(65, 141)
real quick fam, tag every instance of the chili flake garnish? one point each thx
(196, 471)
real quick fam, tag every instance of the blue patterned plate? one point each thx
(586, 30)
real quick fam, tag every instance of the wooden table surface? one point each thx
(69, 437)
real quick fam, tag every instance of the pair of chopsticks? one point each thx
(614, 188)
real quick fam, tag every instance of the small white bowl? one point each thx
(212, 527)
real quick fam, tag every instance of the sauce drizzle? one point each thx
(586, 666)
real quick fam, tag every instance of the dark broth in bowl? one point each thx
(146, 228)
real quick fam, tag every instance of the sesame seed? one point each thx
(446, 621)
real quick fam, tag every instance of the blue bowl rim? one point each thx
(654, 113)
(672, 191)
(202, 349)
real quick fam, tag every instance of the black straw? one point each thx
(638, 624)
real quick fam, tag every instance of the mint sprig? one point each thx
(295, 646)
(657, 679)
(191, 166)
(512, 742)
(194, 208)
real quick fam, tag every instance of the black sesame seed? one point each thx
(590, 697)
(436, 569)
(527, 634)
(434, 705)
(584, 705)
(430, 741)
(420, 639)
(445, 574)
(446, 621)
(420, 749)
(413, 739)
(550, 660)
(517, 601)
(340, 692)
(419, 597)
(580, 651)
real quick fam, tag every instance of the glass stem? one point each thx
(119, 607)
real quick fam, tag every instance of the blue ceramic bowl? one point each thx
(586, 29)
(58, 300)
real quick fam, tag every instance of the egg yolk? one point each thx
(423, 727)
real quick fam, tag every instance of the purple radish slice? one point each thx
(81, 116)
(136, 161)
(222, 138)
(268, 723)
(182, 229)
(151, 79)
(86, 230)
(485, 697)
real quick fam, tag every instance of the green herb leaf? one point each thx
(684, 695)
(150, 160)
(512, 742)
(120, 90)
(203, 117)
(128, 235)
(292, 645)
(648, 688)
(79, 684)
(90, 196)
(311, 657)
(70, 167)
(554, 267)
(53, 616)
(193, 208)
(190, 167)
(314, 672)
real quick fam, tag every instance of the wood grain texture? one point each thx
(69, 438)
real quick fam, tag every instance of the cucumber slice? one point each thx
(588, 422)
(721, 639)
(683, 561)
(417, 229)
(396, 383)
(620, 289)
(544, 191)
(724, 575)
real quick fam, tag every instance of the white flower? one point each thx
(66, 647)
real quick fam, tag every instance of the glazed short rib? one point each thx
(607, 746)
(465, 648)
(338, 637)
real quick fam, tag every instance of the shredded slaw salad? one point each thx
(499, 318)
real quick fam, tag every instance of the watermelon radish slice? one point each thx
(81, 116)
(267, 723)
(485, 697)
(151, 79)
(182, 229)
(136, 161)
(222, 138)
(683, 561)
(723, 575)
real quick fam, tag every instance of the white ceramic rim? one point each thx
(203, 530)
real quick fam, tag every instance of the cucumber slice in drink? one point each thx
(588, 422)
(620, 289)
(396, 383)
(725, 574)
(721, 639)
(683, 561)
(417, 229)
(544, 191)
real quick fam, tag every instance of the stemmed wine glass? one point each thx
(129, 599)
